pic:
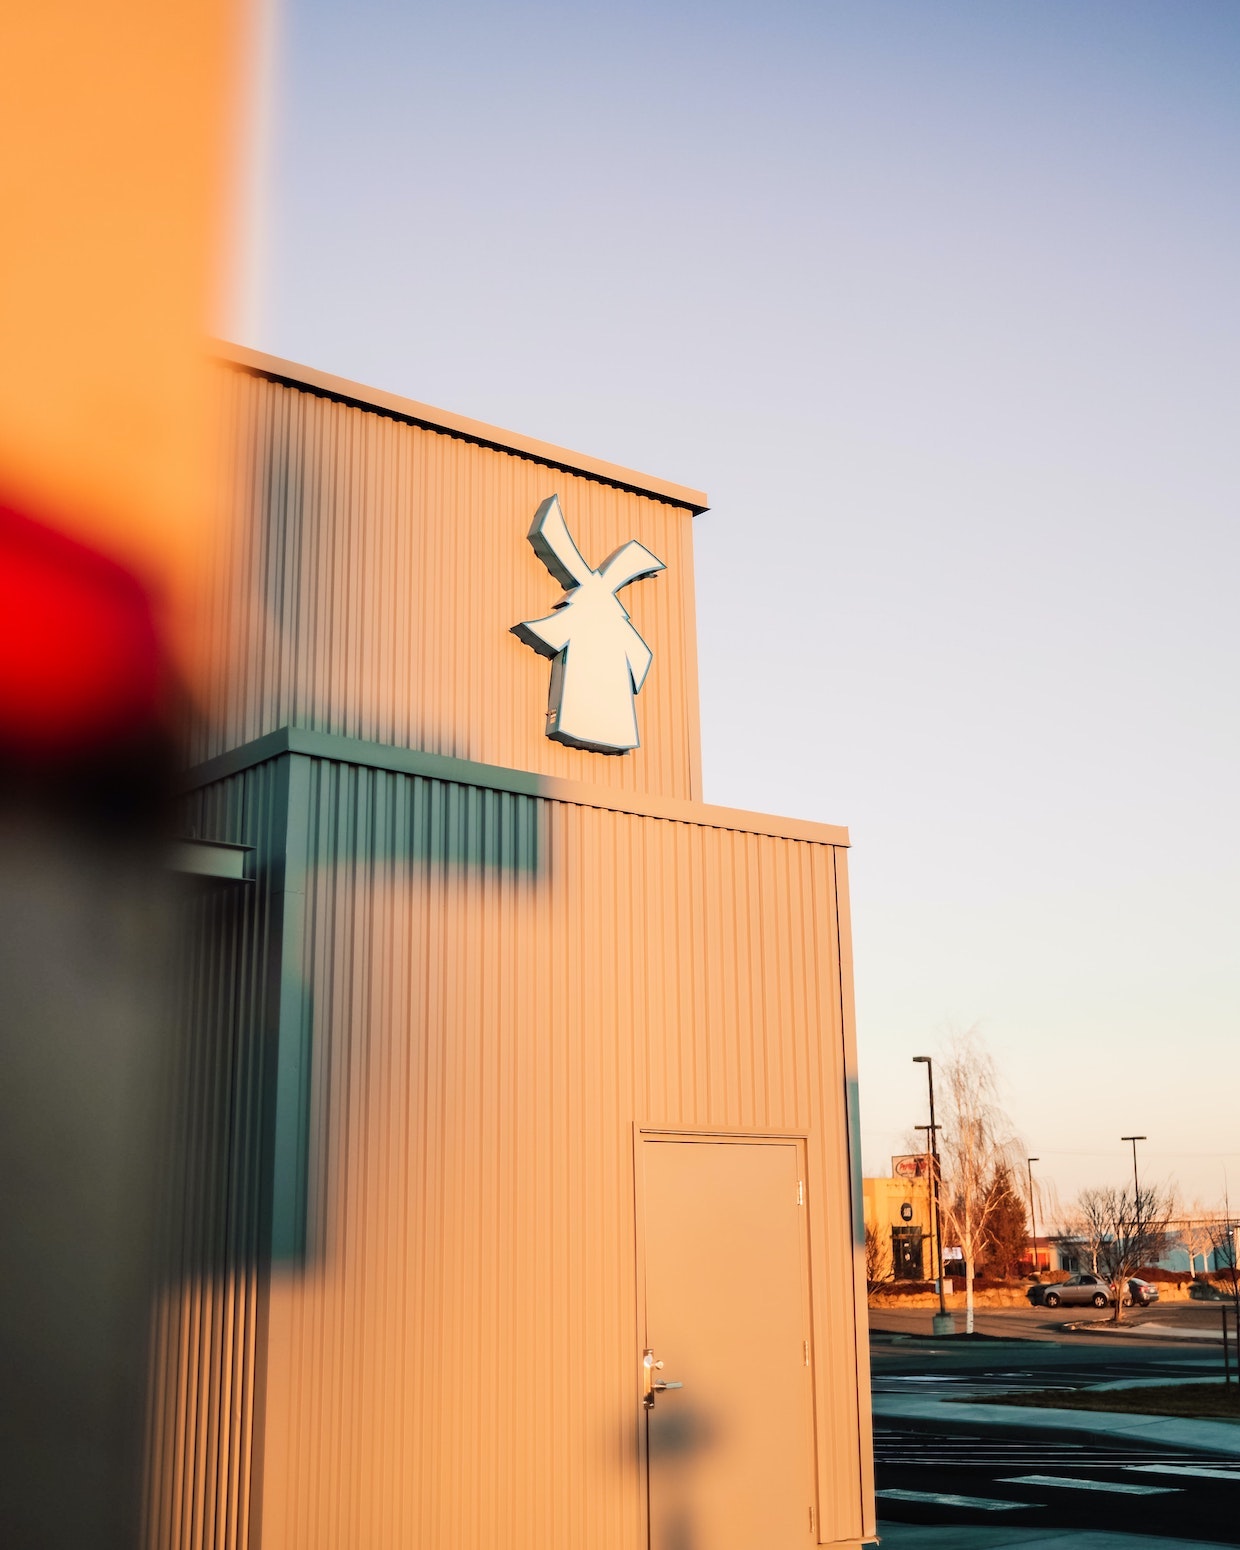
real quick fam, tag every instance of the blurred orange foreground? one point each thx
(117, 126)
(115, 121)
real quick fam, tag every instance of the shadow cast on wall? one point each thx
(239, 1144)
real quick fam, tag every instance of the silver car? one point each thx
(1076, 1291)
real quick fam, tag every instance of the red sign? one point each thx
(915, 1167)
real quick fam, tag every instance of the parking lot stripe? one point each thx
(939, 1499)
(1204, 1471)
(1090, 1485)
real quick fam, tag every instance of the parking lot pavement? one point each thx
(953, 1475)
(918, 1536)
(1034, 1485)
(1220, 1438)
(1014, 1374)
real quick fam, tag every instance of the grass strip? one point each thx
(1197, 1401)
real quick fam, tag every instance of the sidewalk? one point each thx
(1175, 1332)
(1022, 1324)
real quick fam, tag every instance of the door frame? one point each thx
(717, 1135)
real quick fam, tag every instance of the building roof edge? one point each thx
(434, 766)
(340, 388)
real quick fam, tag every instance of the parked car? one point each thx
(1141, 1293)
(1088, 1289)
(1076, 1291)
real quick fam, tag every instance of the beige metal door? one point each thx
(726, 1297)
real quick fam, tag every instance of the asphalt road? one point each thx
(1026, 1477)
(1030, 1478)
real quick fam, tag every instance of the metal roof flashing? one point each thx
(393, 405)
(413, 761)
(215, 859)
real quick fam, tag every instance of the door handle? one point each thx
(653, 1385)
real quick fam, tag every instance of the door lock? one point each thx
(653, 1385)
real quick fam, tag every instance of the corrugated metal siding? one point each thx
(370, 570)
(208, 1324)
(456, 1362)
(853, 1120)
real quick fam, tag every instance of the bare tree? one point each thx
(1223, 1234)
(1087, 1220)
(1130, 1230)
(875, 1258)
(976, 1143)
(1196, 1231)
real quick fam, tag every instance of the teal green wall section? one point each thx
(251, 982)
(352, 750)
(853, 1111)
(211, 1314)
(290, 1020)
(230, 940)
(250, 1111)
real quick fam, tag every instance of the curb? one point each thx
(1144, 1331)
(901, 1337)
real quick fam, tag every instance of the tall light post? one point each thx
(1033, 1214)
(931, 1133)
(943, 1322)
(1136, 1187)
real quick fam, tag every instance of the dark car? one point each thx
(1076, 1291)
(1140, 1293)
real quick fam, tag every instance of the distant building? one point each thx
(1198, 1244)
(1194, 1245)
(901, 1212)
(1059, 1254)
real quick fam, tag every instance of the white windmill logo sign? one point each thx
(599, 661)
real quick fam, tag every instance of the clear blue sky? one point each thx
(939, 302)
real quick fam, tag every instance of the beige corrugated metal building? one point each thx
(512, 1062)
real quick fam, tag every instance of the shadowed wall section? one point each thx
(238, 1187)
(206, 1369)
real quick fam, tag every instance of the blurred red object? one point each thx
(81, 661)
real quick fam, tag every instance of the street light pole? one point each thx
(1136, 1187)
(944, 1324)
(932, 1136)
(1033, 1214)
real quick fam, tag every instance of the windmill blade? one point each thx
(547, 636)
(639, 657)
(554, 546)
(629, 563)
